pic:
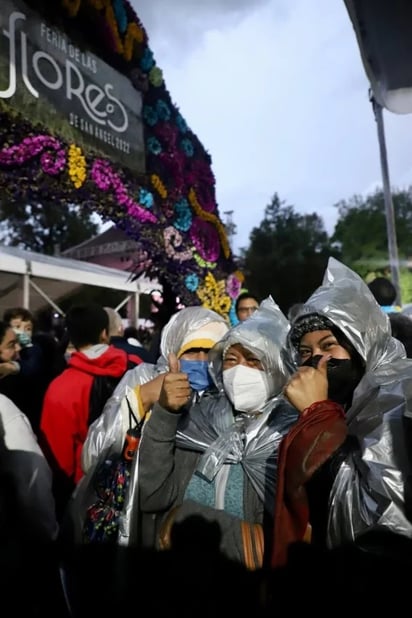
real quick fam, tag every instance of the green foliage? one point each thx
(405, 279)
(287, 255)
(362, 235)
(44, 227)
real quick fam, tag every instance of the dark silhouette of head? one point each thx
(383, 290)
(402, 329)
(85, 325)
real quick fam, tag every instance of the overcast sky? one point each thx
(277, 93)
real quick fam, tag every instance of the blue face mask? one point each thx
(23, 338)
(197, 372)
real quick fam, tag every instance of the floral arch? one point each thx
(162, 195)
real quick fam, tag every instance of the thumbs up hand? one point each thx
(174, 364)
(175, 392)
(308, 384)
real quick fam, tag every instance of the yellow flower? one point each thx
(213, 296)
(133, 33)
(156, 76)
(98, 4)
(111, 20)
(72, 6)
(239, 275)
(209, 216)
(159, 186)
(77, 166)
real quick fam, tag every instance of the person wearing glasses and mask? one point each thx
(218, 462)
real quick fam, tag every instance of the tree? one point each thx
(45, 228)
(287, 255)
(361, 230)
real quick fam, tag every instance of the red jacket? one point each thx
(65, 413)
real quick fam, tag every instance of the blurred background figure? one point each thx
(294, 310)
(385, 294)
(117, 338)
(402, 329)
(246, 305)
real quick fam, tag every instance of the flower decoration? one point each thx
(105, 178)
(121, 15)
(146, 198)
(150, 115)
(187, 147)
(168, 134)
(173, 240)
(147, 60)
(53, 157)
(239, 275)
(212, 295)
(159, 186)
(205, 239)
(134, 34)
(203, 263)
(156, 76)
(181, 123)
(208, 216)
(77, 166)
(233, 286)
(154, 145)
(171, 207)
(233, 319)
(163, 110)
(192, 282)
(183, 219)
(72, 6)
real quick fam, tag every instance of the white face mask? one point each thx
(247, 388)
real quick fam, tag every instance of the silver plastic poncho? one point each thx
(368, 490)
(250, 439)
(106, 435)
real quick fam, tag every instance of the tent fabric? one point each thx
(383, 30)
(57, 277)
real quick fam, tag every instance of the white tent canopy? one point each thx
(32, 280)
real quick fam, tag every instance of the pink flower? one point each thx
(105, 178)
(205, 238)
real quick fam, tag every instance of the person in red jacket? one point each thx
(77, 396)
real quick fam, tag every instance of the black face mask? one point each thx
(343, 377)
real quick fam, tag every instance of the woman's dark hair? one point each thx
(345, 343)
(243, 296)
(131, 331)
(85, 324)
(18, 312)
(4, 327)
(383, 290)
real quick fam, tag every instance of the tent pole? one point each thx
(389, 209)
(124, 301)
(133, 309)
(47, 298)
(26, 286)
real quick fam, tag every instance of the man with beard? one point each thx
(343, 467)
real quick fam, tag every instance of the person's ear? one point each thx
(104, 336)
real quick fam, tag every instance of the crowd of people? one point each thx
(242, 461)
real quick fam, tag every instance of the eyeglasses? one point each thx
(247, 309)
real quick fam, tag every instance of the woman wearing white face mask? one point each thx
(245, 381)
(219, 461)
